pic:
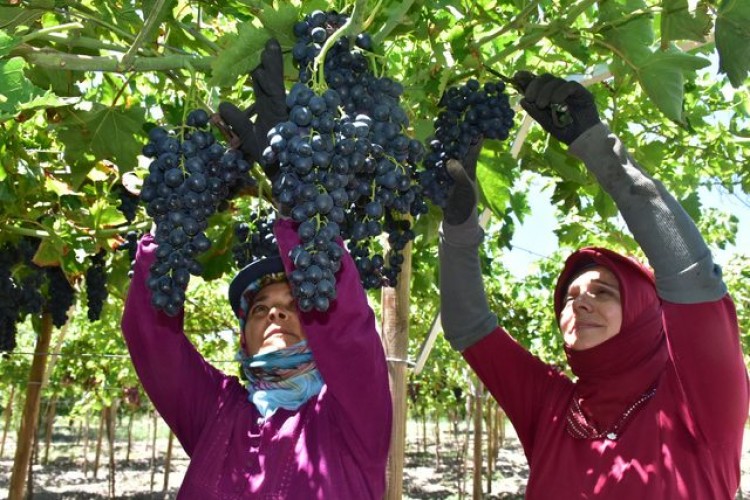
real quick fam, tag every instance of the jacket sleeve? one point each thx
(683, 266)
(699, 316)
(349, 354)
(183, 387)
(526, 388)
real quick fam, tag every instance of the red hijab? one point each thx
(615, 373)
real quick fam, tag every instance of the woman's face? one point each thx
(272, 321)
(592, 310)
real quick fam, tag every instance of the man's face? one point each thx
(272, 322)
(592, 312)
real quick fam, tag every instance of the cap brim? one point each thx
(251, 273)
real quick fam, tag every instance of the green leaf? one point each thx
(15, 88)
(7, 43)
(11, 17)
(604, 205)
(104, 133)
(241, 54)
(495, 189)
(662, 76)
(566, 166)
(733, 40)
(280, 23)
(678, 23)
(633, 37)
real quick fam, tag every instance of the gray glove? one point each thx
(462, 200)
(269, 106)
(564, 109)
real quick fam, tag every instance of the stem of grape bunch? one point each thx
(352, 27)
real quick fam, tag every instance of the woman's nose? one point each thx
(277, 313)
(583, 300)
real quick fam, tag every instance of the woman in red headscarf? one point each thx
(660, 396)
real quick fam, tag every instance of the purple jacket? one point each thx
(334, 446)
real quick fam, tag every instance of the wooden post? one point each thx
(8, 414)
(130, 438)
(111, 412)
(395, 332)
(477, 484)
(30, 415)
(168, 462)
(50, 419)
(153, 448)
(99, 442)
(86, 445)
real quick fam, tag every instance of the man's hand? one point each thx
(269, 108)
(462, 200)
(548, 99)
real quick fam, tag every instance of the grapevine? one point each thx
(346, 167)
(469, 113)
(189, 179)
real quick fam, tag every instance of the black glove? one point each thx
(270, 108)
(462, 199)
(564, 109)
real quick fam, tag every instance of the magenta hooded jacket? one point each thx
(333, 447)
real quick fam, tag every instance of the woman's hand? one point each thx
(269, 108)
(563, 108)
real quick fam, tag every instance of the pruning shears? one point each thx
(560, 113)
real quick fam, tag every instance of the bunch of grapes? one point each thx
(22, 284)
(255, 239)
(96, 286)
(9, 300)
(346, 165)
(128, 202)
(130, 245)
(190, 177)
(60, 295)
(469, 113)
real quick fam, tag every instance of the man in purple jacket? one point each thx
(315, 419)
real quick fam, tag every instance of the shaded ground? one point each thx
(427, 474)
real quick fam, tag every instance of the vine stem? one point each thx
(352, 26)
(148, 29)
(51, 30)
(24, 231)
(58, 60)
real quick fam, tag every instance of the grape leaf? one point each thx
(662, 76)
(104, 133)
(279, 23)
(241, 54)
(733, 40)
(678, 23)
(7, 43)
(15, 88)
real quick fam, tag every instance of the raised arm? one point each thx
(518, 381)
(349, 354)
(184, 388)
(699, 316)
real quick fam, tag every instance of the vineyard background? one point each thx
(82, 82)
(435, 468)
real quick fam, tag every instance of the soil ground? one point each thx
(427, 474)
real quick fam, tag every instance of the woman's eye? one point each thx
(259, 310)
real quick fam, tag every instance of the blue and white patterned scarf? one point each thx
(285, 378)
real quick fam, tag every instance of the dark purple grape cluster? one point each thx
(26, 288)
(254, 238)
(128, 202)
(130, 245)
(346, 165)
(60, 295)
(96, 285)
(190, 177)
(469, 113)
(9, 299)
